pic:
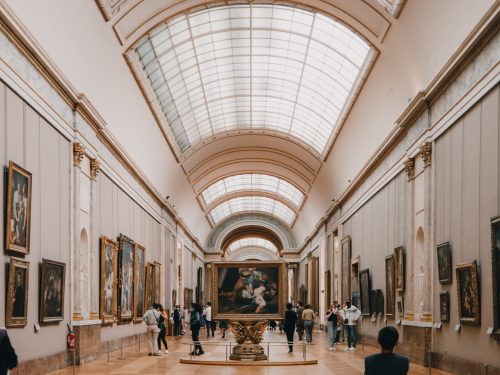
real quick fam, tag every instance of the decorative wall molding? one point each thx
(410, 168)
(94, 168)
(78, 153)
(426, 153)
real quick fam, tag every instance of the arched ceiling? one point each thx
(250, 96)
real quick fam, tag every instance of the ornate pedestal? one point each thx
(248, 335)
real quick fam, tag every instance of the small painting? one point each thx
(109, 281)
(18, 212)
(150, 270)
(444, 263)
(126, 280)
(389, 286)
(52, 291)
(157, 282)
(374, 302)
(444, 306)
(248, 290)
(380, 301)
(17, 293)
(399, 258)
(468, 293)
(139, 281)
(365, 286)
(400, 306)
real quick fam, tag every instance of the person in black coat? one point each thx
(387, 362)
(8, 357)
(289, 325)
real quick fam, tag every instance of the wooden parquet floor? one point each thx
(337, 362)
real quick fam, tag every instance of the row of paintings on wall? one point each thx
(128, 284)
(51, 292)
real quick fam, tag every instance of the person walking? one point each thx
(340, 322)
(208, 320)
(177, 320)
(308, 318)
(223, 326)
(8, 356)
(152, 318)
(332, 321)
(300, 321)
(289, 325)
(351, 317)
(162, 324)
(386, 362)
(195, 323)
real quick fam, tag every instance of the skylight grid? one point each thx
(252, 66)
(253, 182)
(252, 242)
(252, 204)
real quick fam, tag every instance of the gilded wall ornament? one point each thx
(78, 153)
(94, 168)
(410, 168)
(426, 153)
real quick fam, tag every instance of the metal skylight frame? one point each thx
(253, 66)
(252, 204)
(252, 242)
(253, 181)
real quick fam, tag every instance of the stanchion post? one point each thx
(74, 361)
(304, 350)
(268, 352)
(226, 351)
(107, 349)
(121, 349)
(139, 343)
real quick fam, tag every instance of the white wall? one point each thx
(417, 46)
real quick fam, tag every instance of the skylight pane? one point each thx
(253, 182)
(252, 242)
(277, 59)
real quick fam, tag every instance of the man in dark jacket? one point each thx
(289, 325)
(177, 320)
(8, 357)
(387, 363)
(300, 321)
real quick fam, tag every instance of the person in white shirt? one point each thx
(351, 316)
(210, 323)
(152, 318)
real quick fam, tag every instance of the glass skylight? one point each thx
(253, 66)
(252, 242)
(253, 181)
(252, 204)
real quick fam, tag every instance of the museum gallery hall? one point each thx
(250, 186)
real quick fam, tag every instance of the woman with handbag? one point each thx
(162, 325)
(195, 323)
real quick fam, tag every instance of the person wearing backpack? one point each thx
(195, 323)
(8, 356)
(152, 318)
(332, 322)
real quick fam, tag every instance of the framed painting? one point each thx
(157, 282)
(346, 268)
(390, 291)
(380, 301)
(139, 281)
(18, 210)
(148, 298)
(400, 306)
(399, 259)
(52, 276)
(468, 293)
(108, 281)
(444, 263)
(495, 262)
(188, 297)
(373, 302)
(126, 279)
(253, 290)
(17, 293)
(444, 306)
(364, 292)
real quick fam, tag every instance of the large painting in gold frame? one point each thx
(468, 293)
(52, 280)
(248, 290)
(157, 282)
(126, 280)
(139, 281)
(109, 281)
(18, 210)
(17, 294)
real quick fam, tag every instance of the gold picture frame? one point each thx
(468, 293)
(125, 280)
(390, 292)
(17, 293)
(157, 282)
(108, 281)
(139, 281)
(18, 209)
(399, 264)
(346, 268)
(495, 267)
(52, 284)
(234, 279)
(149, 285)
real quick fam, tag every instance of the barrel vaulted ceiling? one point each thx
(250, 95)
